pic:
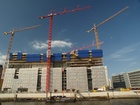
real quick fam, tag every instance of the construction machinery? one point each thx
(96, 26)
(48, 53)
(10, 45)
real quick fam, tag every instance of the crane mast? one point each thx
(50, 40)
(10, 45)
(96, 26)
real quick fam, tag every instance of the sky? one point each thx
(120, 35)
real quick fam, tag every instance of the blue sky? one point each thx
(120, 35)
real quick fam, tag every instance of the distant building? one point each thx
(118, 81)
(127, 80)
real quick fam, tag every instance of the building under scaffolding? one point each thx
(81, 70)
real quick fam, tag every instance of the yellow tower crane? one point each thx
(96, 26)
(10, 45)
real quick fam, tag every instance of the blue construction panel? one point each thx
(37, 59)
(36, 55)
(68, 57)
(44, 57)
(96, 55)
(83, 55)
(33, 58)
(33, 55)
(10, 56)
(28, 60)
(57, 58)
(19, 56)
(97, 51)
(57, 54)
(29, 56)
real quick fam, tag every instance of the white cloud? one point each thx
(121, 55)
(2, 59)
(39, 45)
(55, 43)
(125, 59)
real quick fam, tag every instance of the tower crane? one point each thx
(10, 45)
(96, 26)
(85, 47)
(48, 53)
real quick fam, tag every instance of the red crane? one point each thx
(84, 47)
(51, 15)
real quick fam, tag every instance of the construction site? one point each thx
(80, 70)
(68, 71)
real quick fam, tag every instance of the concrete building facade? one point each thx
(99, 76)
(34, 79)
(127, 80)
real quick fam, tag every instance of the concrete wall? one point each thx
(9, 81)
(114, 94)
(56, 79)
(126, 79)
(77, 78)
(28, 79)
(99, 76)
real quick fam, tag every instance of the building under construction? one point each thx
(81, 70)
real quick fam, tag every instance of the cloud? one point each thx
(122, 52)
(125, 59)
(39, 45)
(56, 43)
(132, 64)
(2, 59)
(121, 55)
